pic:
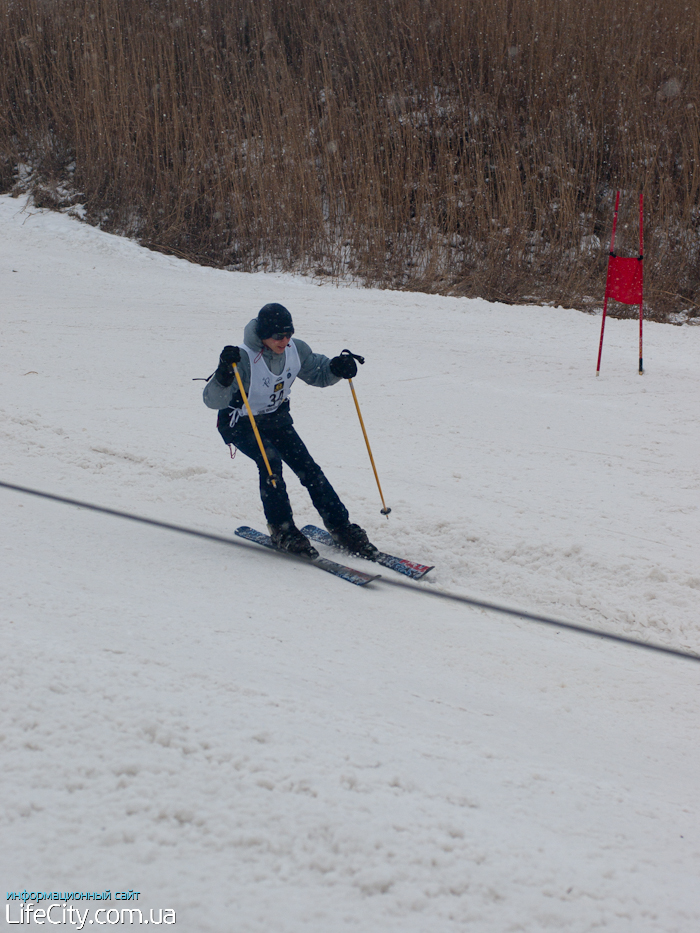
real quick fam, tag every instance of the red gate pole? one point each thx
(605, 300)
(641, 296)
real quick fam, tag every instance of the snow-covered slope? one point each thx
(259, 746)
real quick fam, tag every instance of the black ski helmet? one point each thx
(274, 319)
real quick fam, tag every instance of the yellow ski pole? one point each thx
(253, 424)
(385, 510)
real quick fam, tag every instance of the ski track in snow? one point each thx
(259, 746)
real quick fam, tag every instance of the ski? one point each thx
(407, 567)
(358, 577)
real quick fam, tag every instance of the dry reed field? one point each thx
(468, 147)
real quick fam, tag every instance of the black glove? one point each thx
(224, 372)
(344, 365)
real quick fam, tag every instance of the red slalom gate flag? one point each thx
(625, 280)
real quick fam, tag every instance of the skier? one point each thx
(268, 362)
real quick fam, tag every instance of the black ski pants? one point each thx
(283, 444)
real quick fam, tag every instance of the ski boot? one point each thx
(287, 537)
(354, 539)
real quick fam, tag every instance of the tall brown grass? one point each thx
(459, 146)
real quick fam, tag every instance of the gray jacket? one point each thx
(315, 370)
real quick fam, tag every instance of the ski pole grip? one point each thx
(360, 359)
